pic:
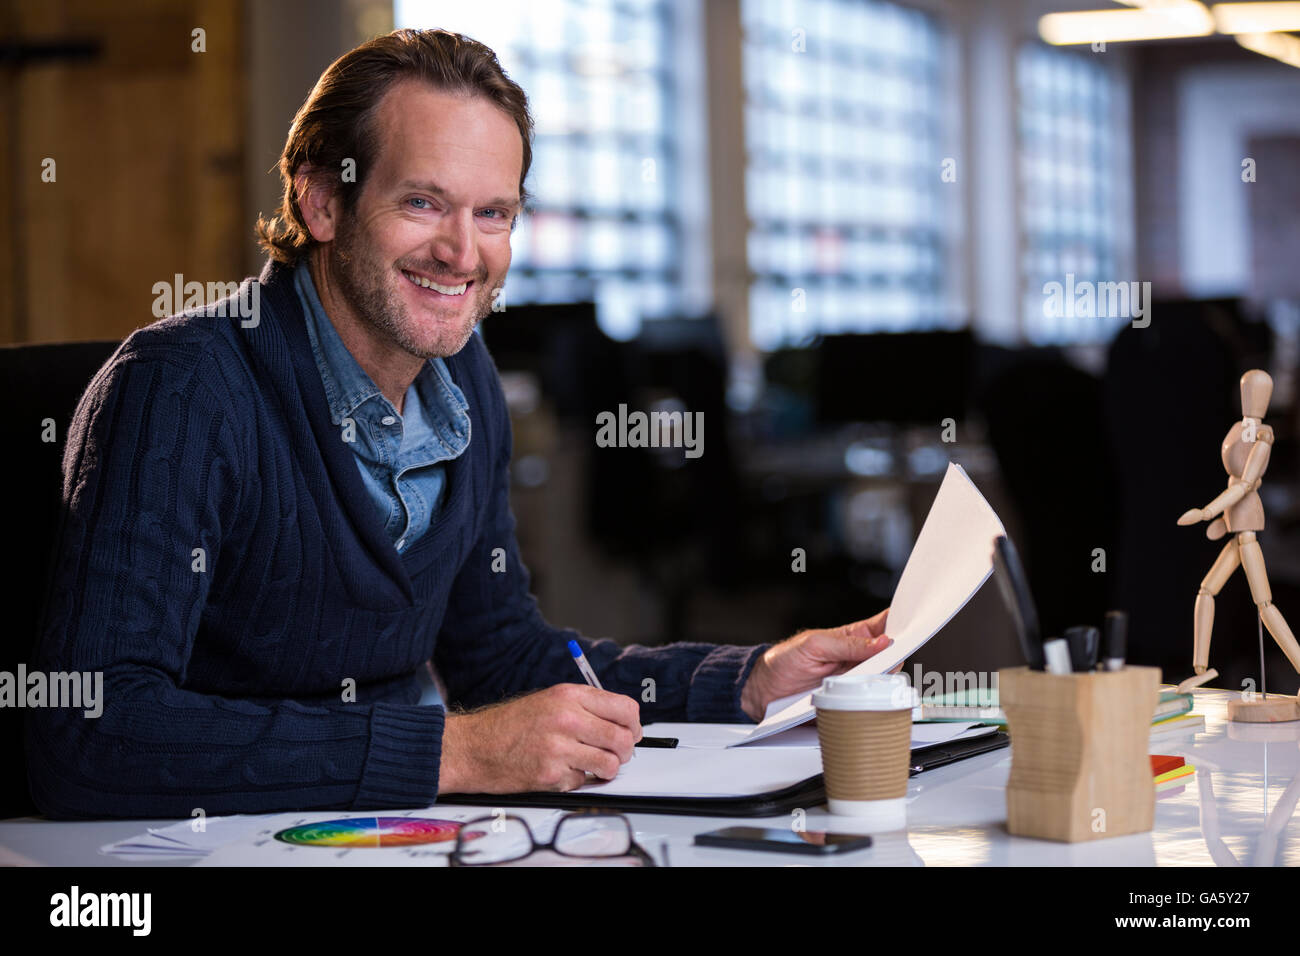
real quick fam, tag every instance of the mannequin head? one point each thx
(1256, 390)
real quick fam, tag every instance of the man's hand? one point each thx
(547, 740)
(800, 662)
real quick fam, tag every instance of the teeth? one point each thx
(444, 289)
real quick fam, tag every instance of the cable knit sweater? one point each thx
(258, 634)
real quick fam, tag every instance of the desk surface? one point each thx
(1237, 809)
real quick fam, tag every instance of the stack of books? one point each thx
(1172, 714)
(1171, 775)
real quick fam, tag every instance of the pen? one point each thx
(580, 659)
(589, 675)
(1083, 643)
(1057, 652)
(1114, 639)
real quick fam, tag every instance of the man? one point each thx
(271, 525)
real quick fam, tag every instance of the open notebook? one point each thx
(704, 777)
(706, 765)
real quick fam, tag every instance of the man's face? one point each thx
(428, 240)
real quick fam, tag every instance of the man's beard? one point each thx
(360, 278)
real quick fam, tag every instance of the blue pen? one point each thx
(580, 659)
(589, 676)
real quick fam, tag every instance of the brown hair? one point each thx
(336, 121)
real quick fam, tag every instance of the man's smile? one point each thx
(424, 282)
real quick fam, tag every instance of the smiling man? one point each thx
(271, 526)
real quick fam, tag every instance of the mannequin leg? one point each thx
(1222, 569)
(1253, 561)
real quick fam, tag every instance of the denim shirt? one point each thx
(400, 456)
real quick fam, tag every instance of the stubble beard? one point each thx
(361, 280)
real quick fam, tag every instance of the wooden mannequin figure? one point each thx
(1245, 457)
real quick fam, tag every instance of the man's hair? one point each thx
(336, 123)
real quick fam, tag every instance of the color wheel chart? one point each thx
(424, 836)
(370, 832)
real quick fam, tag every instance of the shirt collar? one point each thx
(347, 385)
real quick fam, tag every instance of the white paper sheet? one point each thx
(721, 736)
(186, 839)
(952, 558)
(692, 772)
(691, 736)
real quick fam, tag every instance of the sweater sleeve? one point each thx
(494, 642)
(152, 486)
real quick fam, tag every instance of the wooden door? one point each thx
(122, 162)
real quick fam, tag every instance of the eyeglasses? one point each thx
(581, 835)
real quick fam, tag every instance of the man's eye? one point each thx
(496, 213)
(418, 199)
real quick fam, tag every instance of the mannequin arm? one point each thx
(1250, 475)
(1256, 463)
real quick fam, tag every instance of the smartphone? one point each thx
(783, 840)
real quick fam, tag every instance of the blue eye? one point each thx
(418, 199)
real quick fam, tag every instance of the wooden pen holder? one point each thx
(1080, 764)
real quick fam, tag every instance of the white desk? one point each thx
(1238, 808)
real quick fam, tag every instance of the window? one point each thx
(844, 121)
(1072, 148)
(603, 226)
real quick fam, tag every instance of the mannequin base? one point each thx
(1264, 710)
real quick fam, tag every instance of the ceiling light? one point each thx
(1256, 17)
(1187, 19)
(1280, 46)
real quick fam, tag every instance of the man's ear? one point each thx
(319, 202)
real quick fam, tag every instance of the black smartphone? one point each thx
(777, 840)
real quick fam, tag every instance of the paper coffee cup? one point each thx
(864, 726)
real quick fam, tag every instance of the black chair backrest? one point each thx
(902, 377)
(1047, 427)
(40, 386)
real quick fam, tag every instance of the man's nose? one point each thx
(454, 243)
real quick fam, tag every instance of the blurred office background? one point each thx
(826, 224)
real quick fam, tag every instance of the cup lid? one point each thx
(866, 692)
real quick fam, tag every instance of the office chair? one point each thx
(39, 385)
(1046, 425)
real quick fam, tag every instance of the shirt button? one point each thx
(401, 544)
(387, 420)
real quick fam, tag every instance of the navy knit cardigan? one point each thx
(218, 562)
